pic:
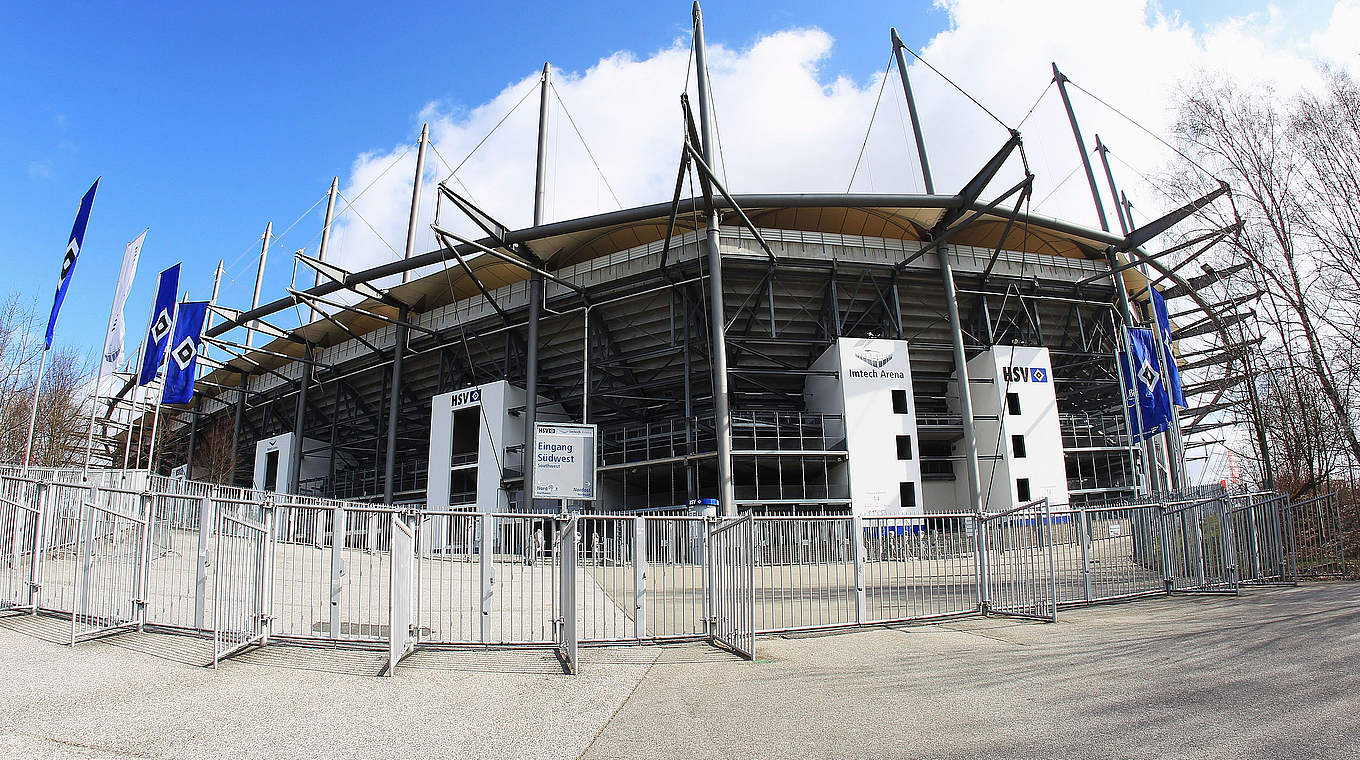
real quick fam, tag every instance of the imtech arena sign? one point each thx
(564, 461)
(872, 360)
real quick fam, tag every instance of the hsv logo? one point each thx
(463, 398)
(69, 260)
(1149, 375)
(874, 357)
(184, 353)
(161, 327)
(1024, 375)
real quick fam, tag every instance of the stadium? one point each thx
(874, 354)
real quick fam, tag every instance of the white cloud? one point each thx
(787, 127)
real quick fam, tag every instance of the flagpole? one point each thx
(132, 406)
(33, 417)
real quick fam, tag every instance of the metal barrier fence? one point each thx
(247, 567)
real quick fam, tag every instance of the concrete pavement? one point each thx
(1272, 673)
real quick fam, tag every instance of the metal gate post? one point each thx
(338, 531)
(1084, 525)
(1052, 560)
(980, 563)
(857, 549)
(1292, 539)
(1167, 583)
(39, 549)
(710, 569)
(264, 563)
(488, 529)
(205, 527)
(567, 552)
(640, 568)
(141, 577)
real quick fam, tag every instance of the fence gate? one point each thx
(1197, 541)
(1262, 538)
(18, 553)
(109, 574)
(241, 582)
(1017, 562)
(565, 552)
(731, 572)
(1318, 547)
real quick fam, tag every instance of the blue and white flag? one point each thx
(1173, 374)
(162, 323)
(68, 261)
(179, 370)
(1144, 387)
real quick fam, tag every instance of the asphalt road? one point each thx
(1272, 673)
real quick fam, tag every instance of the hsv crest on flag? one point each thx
(68, 260)
(179, 373)
(162, 322)
(1144, 390)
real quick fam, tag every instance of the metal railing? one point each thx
(248, 567)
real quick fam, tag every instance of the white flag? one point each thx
(113, 343)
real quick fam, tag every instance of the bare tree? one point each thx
(1294, 165)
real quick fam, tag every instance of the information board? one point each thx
(564, 461)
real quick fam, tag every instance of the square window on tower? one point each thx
(1022, 489)
(908, 492)
(904, 447)
(1018, 446)
(899, 399)
(1013, 403)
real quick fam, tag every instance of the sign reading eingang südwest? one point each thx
(564, 461)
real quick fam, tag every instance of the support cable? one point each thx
(1135, 123)
(962, 91)
(580, 137)
(863, 146)
(530, 91)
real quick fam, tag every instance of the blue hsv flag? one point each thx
(1144, 387)
(162, 323)
(1173, 380)
(68, 261)
(179, 372)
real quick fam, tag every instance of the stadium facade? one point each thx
(803, 353)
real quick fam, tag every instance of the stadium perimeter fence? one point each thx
(248, 568)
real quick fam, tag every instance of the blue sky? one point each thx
(205, 120)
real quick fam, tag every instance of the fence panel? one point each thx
(1315, 525)
(61, 545)
(240, 584)
(177, 590)
(1197, 540)
(919, 567)
(1262, 538)
(307, 573)
(522, 604)
(606, 581)
(675, 580)
(732, 549)
(1019, 563)
(108, 579)
(19, 523)
(448, 599)
(804, 572)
